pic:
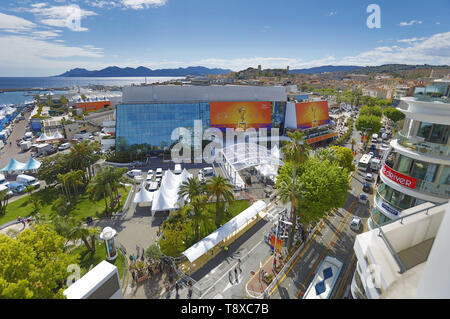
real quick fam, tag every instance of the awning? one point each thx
(31, 165)
(204, 245)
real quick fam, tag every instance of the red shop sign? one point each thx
(401, 179)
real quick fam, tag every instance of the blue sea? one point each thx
(21, 97)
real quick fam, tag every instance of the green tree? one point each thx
(4, 197)
(153, 253)
(344, 157)
(34, 265)
(190, 188)
(295, 151)
(88, 235)
(368, 125)
(371, 110)
(65, 102)
(173, 241)
(393, 114)
(220, 187)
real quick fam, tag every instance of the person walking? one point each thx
(236, 274)
(177, 287)
(134, 276)
(239, 264)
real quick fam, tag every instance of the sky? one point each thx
(44, 38)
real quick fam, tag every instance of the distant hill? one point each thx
(404, 70)
(114, 71)
(325, 68)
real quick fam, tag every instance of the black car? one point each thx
(367, 187)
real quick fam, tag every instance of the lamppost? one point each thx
(276, 238)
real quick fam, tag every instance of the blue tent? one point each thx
(12, 166)
(31, 165)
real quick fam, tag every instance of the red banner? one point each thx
(399, 178)
(279, 243)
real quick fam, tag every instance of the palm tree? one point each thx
(86, 234)
(198, 208)
(295, 151)
(220, 187)
(190, 188)
(98, 189)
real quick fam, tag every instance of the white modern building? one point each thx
(407, 258)
(416, 169)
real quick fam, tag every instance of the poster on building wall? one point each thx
(241, 115)
(312, 114)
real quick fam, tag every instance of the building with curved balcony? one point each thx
(417, 167)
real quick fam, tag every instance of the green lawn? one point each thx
(80, 210)
(87, 259)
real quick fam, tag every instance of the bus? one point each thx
(325, 279)
(364, 162)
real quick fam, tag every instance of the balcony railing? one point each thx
(432, 98)
(436, 189)
(379, 200)
(419, 145)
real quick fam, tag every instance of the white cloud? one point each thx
(412, 40)
(142, 4)
(14, 24)
(46, 34)
(69, 16)
(412, 22)
(28, 56)
(332, 13)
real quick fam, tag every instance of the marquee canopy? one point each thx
(13, 165)
(244, 155)
(204, 245)
(144, 196)
(31, 165)
(166, 197)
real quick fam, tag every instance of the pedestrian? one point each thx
(239, 264)
(236, 274)
(190, 293)
(177, 287)
(134, 276)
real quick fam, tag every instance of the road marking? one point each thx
(343, 223)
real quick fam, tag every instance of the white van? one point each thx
(134, 173)
(207, 171)
(3, 180)
(64, 146)
(28, 181)
(177, 169)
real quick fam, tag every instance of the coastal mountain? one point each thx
(114, 71)
(325, 68)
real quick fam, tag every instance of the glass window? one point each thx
(445, 176)
(424, 130)
(404, 165)
(439, 134)
(423, 171)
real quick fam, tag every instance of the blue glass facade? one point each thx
(152, 124)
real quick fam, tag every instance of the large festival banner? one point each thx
(312, 114)
(241, 115)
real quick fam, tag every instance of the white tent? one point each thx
(166, 197)
(57, 136)
(42, 138)
(204, 245)
(144, 196)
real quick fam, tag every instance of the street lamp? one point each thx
(276, 237)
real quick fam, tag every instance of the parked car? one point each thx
(17, 188)
(152, 186)
(207, 171)
(64, 146)
(367, 187)
(3, 181)
(8, 192)
(177, 169)
(150, 174)
(159, 172)
(369, 177)
(134, 172)
(28, 180)
(362, 198)
(356, 223)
